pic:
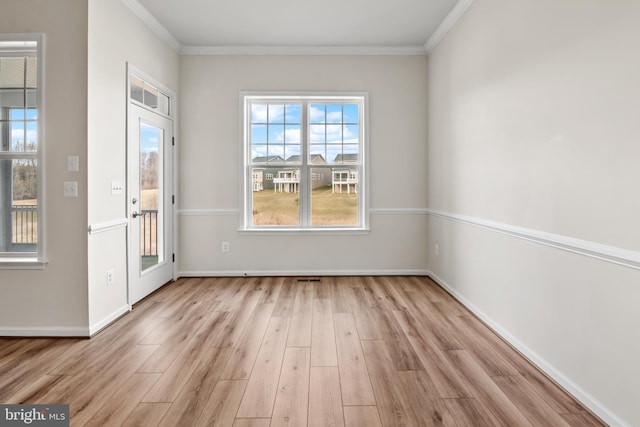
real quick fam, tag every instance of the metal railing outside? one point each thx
(149, 232)
(24, 220)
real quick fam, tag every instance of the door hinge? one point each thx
(173, 257)
(173, 140)
(173, 199)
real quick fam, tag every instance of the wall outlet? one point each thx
(225, 247)
(436, 250)
(70, 189)
(110, 274)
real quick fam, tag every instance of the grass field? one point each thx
(327, 208)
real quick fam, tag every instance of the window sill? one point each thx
(25, 263)
(302, 231)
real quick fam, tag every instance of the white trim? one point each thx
(612, 254)
(305, 50)
(21, 263)
(208, 212)
(97, 327)
(154, 25)
(115, 224)
(288, 273)
(398, 211)
(576, 391)
(43, 331)
(447, 24)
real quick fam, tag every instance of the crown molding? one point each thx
(447, 24)
(141, 12)
(305, 50)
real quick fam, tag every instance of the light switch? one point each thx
(116, 187)
(73, 163)
(70, 189)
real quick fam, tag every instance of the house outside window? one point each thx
(298, 142)
(21, 211)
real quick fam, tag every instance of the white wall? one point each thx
(210, 148)
(533, 123)
(54, 300)
(111, 46)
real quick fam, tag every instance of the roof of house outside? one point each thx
(268, 159)
(346, 158)
(315, 159)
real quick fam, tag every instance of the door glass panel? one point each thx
(151, 215)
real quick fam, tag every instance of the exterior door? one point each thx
(150, 159)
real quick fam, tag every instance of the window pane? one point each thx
(276, 200)
(276, 113)
(19, 231)
(317, 133)
(334, 134)
(350, 112)
(136, 89)
(293, 114)
(317, 113)
(351, 134)
(292, 134)
(258, 134)
(258, 113)
(334, 198)
(334, 113)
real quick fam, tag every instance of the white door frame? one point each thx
(170, 165)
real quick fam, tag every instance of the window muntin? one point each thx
(21, 229)
(293, 145)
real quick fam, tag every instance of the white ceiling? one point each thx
(366, 24)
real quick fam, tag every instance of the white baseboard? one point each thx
(235, 273)
(97, 327)
(43, 331)
(572, 388)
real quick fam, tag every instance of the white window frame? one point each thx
(37, 259)
(306, 98)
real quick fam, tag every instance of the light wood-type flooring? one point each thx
(283, 351)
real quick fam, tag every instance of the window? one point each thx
(301, 145)
(21, 222)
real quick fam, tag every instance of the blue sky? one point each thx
(276, 128)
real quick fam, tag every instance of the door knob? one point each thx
(135, 214)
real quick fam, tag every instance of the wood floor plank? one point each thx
(403, 354)
(525, 398)
(270, 288)
(220, 409)
(263, 383)
(365, 322)
(32, 391)
(445, 377)
(192, 399)
(116, 410)
(470, 413)
(361, 416)
(393, 405)
(323, 340)
(238, 315)
(338, 287)
(486, 391)
(246, 350)
(325, 401)
(146, 415)
(300, 329)
(428, 407)
(252, 422)
(286, 298)
(292, 398)
(87, 393)
(354, 376)
(582, 420)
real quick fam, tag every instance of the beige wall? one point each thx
(110, 49)
(210, 148)
(533, 113)
(56, 297)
